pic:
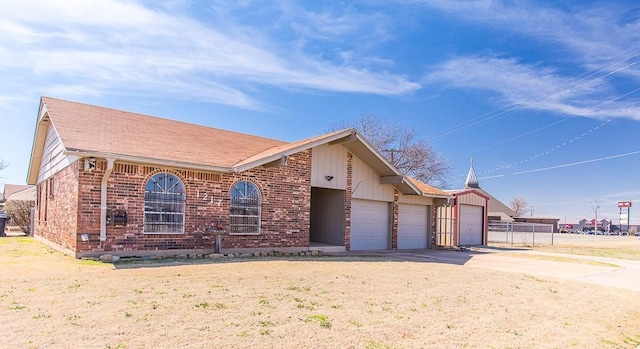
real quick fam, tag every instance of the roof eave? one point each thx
(438, 196)
(350, 137)
(380, 163)
(241, 167)
(146, 160)
(37, 148)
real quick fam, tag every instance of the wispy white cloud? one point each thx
(531, 86)
(103, 46)
(595, 40)
(594, 31)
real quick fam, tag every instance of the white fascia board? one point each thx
(147, 161)
(290, 151)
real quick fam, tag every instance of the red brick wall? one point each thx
(56, 208)
(395, 209)
(286, 198)
(347, 204)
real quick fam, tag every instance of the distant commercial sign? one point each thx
(624, 203)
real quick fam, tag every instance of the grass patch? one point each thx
(621, 252)
(633, 341)
(322, 320)
(376, 345)
(94, 262)
(23, 246)
(24, 240)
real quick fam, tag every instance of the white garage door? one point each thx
(369, 225)
(471, 224)
(413, 221)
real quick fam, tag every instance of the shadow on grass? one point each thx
(452, 257)
(19, 246)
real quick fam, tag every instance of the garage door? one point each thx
(369, 225)
(471, 224)
(413, 226)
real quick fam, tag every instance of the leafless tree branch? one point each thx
(520, 206)
(413, 157)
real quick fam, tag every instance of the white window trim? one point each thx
(259, 215)
(184, 205)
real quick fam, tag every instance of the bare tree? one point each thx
(19, 212)
(3, 165)
(412, 156)
(520, 206)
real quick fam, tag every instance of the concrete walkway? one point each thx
(611, 272)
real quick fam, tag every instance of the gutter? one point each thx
(147, 161)
(103, 200)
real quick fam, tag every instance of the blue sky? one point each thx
(542, 95)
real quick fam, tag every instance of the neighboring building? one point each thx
(116, 182)
(497, 211)
(15, 192)
(22, 192)
(464, 220)
(540, 220)
(603, 225)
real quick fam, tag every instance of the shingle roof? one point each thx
(88, 128)
(427, 189)
(10, 189)
(27, 193)
(283, 148)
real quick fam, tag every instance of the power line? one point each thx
(550, 150)
(565, 165)
(515, 106)
(563, 120)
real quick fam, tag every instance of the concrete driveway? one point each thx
(611, 272)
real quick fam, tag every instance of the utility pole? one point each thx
(531, 210)
(595, 220)
(393, 151)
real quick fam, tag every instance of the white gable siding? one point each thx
(329, 160)
(471, 199)
(53, 160)
(366, 183)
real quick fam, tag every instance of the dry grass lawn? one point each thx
(625, 247)
(51, 301)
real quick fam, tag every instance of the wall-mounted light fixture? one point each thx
(89, 164)
(329, 178)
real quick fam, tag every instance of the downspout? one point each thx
(103, 200)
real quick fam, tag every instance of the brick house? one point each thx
(116, 182)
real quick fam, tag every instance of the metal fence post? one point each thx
(509, 224)
(534, 235)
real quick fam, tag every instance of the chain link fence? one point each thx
(520, 233)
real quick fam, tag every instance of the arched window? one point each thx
(246, 204)
(164, 199)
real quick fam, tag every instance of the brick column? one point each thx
(347, 203)
(394, 220)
